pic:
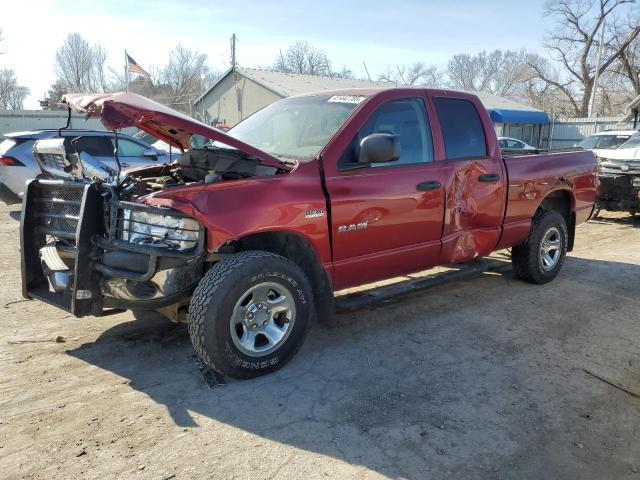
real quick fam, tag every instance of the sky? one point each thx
(350, 32)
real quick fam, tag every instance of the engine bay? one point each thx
(203, 165)
(209, 164)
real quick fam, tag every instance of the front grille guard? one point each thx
(94, 234)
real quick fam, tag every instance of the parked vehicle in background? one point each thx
(18, 165)
(247, 238)
(605, 140)
(619, 188)
(514, 145)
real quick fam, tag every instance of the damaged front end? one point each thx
(87, 251)
(93, 244)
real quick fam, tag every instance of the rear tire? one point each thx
(250, 313)
(540, 257)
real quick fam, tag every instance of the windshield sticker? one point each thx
(355, 99)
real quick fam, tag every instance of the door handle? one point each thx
(489, 177)
(425, 186)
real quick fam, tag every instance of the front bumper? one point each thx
(619, 192)
(78, 223)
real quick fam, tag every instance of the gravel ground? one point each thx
(483, 378)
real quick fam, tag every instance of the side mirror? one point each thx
(379, 148)
(150, 153)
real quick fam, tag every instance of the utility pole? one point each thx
(233, 51)
(366, 70)
(594, 89)
(235, 76)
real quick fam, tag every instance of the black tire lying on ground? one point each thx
(238, 322)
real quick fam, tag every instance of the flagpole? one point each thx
(126, 71)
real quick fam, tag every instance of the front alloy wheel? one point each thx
(262, 319)
(250, 313)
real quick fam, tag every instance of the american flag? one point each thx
(133, 67)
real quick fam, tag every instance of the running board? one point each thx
(359, 300)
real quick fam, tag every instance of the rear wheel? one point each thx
(540, 257)
(250, 313)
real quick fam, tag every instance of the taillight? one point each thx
(10, 162)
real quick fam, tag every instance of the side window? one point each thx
(406, 119)
(94, 146)
(461, 128)
(127, 148)
(503, 143)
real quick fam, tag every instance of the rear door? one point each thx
(387, 219)
(476, 179)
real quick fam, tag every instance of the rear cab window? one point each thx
(462, 130)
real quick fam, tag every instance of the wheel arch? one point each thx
(299, 250)
(562, 201)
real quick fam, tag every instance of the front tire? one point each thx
(250, 313)
(541, 256)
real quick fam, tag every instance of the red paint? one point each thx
(406, 230)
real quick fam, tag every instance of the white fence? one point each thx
(24, 120)
(564, 133)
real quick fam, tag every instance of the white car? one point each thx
(605, 140)
(508, 143)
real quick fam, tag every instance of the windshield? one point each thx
(296, 128)
(633, 142)
(603, 141)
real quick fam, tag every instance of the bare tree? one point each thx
(575, 42)
(501, 72)
(628, 64)
(415, 74)
(12, 95)
(211, 77)
(342, 73)
(184, 76)
(81, 66)
(303, 58)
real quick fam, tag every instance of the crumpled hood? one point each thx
(123, 109)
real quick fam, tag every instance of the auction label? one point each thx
(355, 99)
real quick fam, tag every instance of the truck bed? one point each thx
(533, 177)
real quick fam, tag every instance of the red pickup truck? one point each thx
(248, 237)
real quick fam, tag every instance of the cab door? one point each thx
(475, 183)
(387, 218)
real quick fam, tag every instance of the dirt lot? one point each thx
(484, 378)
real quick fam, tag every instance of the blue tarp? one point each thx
(499, 115)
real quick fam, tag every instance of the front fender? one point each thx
(230, 210)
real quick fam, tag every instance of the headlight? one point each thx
(157, 230)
